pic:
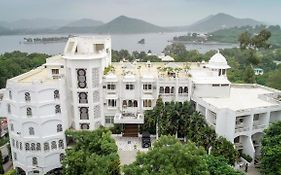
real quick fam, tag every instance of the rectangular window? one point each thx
(215, 85)
(147, 86)
(109, 119)
(111, 86)
(55, 71)
(129, 86)
(224, 84)
(111, 103)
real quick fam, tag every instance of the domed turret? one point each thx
(218, 63)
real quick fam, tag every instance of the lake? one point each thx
(155, 42)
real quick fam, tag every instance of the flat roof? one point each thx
(243, 97)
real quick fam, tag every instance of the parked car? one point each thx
(146, 141)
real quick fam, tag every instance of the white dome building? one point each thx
(218, 63)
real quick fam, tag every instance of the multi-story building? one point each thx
(82, 89)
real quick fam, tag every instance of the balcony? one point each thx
(241, 128)
(128, 118)
(259, 126)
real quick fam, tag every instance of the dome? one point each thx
(218, 61)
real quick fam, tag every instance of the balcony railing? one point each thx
(241, 128)
(128, 118)
(259, 126)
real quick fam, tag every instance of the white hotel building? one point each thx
(72, 91)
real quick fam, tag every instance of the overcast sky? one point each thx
(160, 12)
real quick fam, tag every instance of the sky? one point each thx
(159, 12)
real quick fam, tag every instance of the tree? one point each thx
(169, 156)
(245, 40)
(94, 152)
(249, 75)
(218, 166)
(224, 148)
(271, 150)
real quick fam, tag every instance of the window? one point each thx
(129, 86)
(167, 90)
(215, 85)
(59, 128)
(12, 127)
(83, 97)
(20, 146)
(17, 144)
(31, 131)
(224, 84)
(56, 94)
(111, 103)
(55, 71)
(32, 147)
(109, 119)
(223, 71)
(13, 142)
(161, 90)
(61, 145)
(135, 103)
(46, 146)
(111, 86)
(34, 161)
(180, 90)
(57, 109)
(27, 97)
(62, 157)
(84, 113)
(10, 95)
(147, 86)
(81, 78)
(172, 89)
(256, 117)
(185, 90)
(130, 103)
(38, 146)
(147, 103)
(219, 72)
(9, 108)
(85, 126)
(29, 112)
(124, 104)
(15, 156)
(27, 146)
(53, 145)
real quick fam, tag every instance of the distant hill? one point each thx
(221, 21)
(85, 22)
(216, 22)
(126, 25)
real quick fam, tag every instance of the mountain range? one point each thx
(120, 25)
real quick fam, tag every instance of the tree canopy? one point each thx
(169, 156)
(271, 150)
(93, 152)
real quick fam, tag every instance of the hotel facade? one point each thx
(83, 90)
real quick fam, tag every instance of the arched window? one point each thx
(34, 161)
(38, 146)
(83, 97)
(167, 90)
(130, 103)
(84, 113)
(61, 145)
(59, 128)
(31, 131)
(149, 103)
(185, 90)
(46, 146)
(27, 146)
(180, 90)
(124, 103)
(32, 147)
(53, 145)
(29, 111)
(57, 109)
(85, 126)
(20, 146)
(56, 94)
(172, 89)
(27, 97)
(135, 103)
(161, 90)
(62, 157)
